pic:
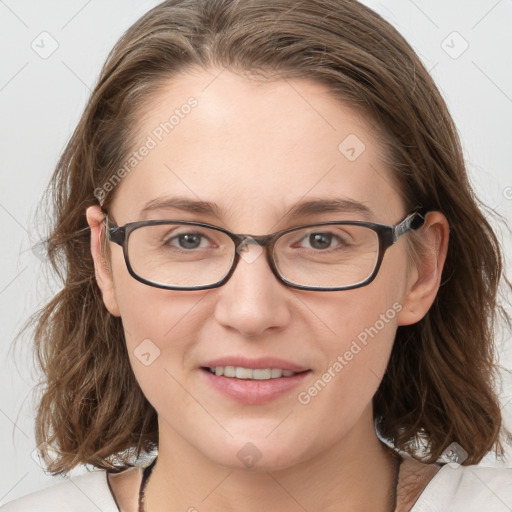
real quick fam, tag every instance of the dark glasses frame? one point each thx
(387, 236)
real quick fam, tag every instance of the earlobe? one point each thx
(425, 277)
(103, 275)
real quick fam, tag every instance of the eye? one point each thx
(187, 241)
(322, 240)
(319, 240)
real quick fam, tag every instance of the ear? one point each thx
(425, 276)
(103, 275)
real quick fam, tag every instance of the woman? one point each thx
(277, 276)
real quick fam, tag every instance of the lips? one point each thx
(253, 381)
(239, 372)
(255, 364)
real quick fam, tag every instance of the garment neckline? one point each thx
(111, 491)
(425, 493)
(428, 489)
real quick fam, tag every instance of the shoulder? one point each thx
(467, 488)
(82, 493)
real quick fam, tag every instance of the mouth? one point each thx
(256, 381)
(239, 372)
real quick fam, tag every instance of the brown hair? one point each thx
(439, 385)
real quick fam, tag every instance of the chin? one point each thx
(256, 454)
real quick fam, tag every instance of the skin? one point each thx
(255, 149)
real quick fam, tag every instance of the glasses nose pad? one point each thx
(249, 250)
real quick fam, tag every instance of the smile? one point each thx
(239, 372)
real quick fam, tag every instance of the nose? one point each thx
(253, 300)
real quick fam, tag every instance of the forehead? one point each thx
(253, 148)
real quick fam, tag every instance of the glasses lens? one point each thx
(180, 254)
(185, 255)
(329, 256)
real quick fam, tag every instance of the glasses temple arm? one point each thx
(413, 221)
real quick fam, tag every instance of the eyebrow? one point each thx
(301, 209)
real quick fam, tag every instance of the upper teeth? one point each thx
(250, 373)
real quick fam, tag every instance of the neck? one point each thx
(356, 474)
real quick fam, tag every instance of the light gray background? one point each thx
(41, 100)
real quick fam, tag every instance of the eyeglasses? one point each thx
(329, 256)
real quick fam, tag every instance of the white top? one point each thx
(452, 489)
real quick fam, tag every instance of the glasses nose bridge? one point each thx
(265, 241)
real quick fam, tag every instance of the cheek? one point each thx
(360, 328)
(162, 316)
(148, 312)
(159, 327)
(362, 357)
(160, 335)
(357, 355)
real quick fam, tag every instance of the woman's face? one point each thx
(255, 150)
